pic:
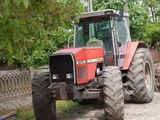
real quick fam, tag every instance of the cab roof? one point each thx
(103, 13)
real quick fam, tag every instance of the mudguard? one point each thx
(130, 51)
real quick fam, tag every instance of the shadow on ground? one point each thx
(86, 112)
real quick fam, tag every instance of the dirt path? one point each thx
(149, 111)
(95, 111)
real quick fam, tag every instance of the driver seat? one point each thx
(93, 43)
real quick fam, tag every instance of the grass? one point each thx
(67, 107)
(25, 113)
(63, 107)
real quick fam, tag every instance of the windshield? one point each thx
(94, 33)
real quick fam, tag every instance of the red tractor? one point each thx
(103, 64)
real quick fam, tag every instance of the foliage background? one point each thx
(32, 29)
(143, 17)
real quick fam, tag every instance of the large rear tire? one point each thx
(141, 76)
(113, 93)
(43, 104)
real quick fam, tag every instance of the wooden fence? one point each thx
(14, 85)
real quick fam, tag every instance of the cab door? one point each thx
(121, 38)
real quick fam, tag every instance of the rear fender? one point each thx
(130, 51)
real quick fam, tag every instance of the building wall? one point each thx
(4, 66)
(155, 52)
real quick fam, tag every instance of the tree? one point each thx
(138, 14)
(152, 31)
(153, 6)
(57, 39)
(107, 4)
(27, 22)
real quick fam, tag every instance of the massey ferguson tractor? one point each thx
(103, 65)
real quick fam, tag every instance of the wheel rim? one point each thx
(148, 76)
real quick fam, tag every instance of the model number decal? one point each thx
(90, 60)
(81, 62)
(95, 60)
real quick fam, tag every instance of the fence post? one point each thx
(31, 70)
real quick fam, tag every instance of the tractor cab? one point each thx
(107, 29)
(100, 40)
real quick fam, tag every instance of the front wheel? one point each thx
(43, 104)
(113, 93)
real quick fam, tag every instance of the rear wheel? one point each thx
(43, 104)
(113, 93)
(141, 76)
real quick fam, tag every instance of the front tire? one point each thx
(113, 93)
(43, 104)
(141, 76)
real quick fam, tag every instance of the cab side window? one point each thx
(121, 29)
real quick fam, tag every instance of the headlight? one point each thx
(55, 76)
(69, 76)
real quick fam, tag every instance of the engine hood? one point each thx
(83, 53)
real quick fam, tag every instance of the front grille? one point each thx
(81, 72)
(62, 65)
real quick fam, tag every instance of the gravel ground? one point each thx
(95, 111)
(149, 111)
